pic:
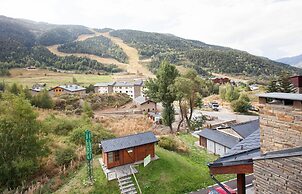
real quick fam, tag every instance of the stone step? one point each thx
(125, 183)
(127, 186)
(126, 191)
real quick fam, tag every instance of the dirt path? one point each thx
(134, 63)
(134, 67)
(54, 50)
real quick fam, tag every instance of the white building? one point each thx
(133, 89)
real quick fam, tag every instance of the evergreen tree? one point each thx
(285, 83)
(273, 86)
(160, 89)
(42, 100)
(21, 145)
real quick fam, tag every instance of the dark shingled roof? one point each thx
(247, 128)
(219, 137)
(129, 141)
(241, 153)
(279, 95)
(291, 152)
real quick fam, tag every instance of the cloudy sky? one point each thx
(271, 28)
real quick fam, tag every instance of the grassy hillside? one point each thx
(200, 56)
(99, 45)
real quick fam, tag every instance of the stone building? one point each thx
(145, 105)
(274, 153)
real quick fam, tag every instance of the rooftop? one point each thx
(141, 100)
(292, 152)
(279, 95)
(72, 87)
(129, 141)
(241, 153)
(219, 137)
(246, 128)
(104, 84)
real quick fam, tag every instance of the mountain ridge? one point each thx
(19, 36)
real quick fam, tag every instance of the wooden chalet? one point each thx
(128, 149)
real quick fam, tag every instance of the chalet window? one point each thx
(116, 156)
(110, 157)
(113, 156)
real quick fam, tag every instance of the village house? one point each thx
(67, 89)
(128, 149)
(133, 89)
(144, 104)
(274, 153)
(221, 80)
(220, 140)
(36, 88)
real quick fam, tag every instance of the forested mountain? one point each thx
(294, 61)
(21, 45)
(99, 45)
(201, 56)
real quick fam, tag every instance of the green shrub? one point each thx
(244, 96)
(77, 136)
(42, 100)
(63, 156)
(240, 105)
(170, 143)
(59, 126)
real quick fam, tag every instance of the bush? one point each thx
(244, 96)
(64, 156)
(59, 126)
(42, 100)
(240, 105)
(170, 143)
(98, 133)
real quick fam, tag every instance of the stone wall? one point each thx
(281, 127)
(278, 175)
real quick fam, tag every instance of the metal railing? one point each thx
(131, 169)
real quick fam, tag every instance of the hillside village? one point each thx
(123, 111)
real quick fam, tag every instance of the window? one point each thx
(116, 156)
(110, 157)
(113, 156)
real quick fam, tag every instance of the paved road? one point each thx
(232, 184)
(225, 114)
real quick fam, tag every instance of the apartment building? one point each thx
(133, 89)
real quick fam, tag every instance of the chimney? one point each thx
(280, 121)
(297, 83)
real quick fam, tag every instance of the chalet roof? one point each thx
(141, 100)
(129, 141)
(246, 128)
(124, 84)
(241, 153)
(282, 96)
(37, 88)
(219, 137)
(72, 87)
(104, 84)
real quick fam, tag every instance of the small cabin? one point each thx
(128, 149)
(145, 105)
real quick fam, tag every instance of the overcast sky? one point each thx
(271, 28)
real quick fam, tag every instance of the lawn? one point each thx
(172, 173)
(30, 77)
(178, 173)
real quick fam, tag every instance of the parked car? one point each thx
(220, 190)
(214, 106)
(253, 108)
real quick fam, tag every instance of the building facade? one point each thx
(128, 149)
(67, 89)
(133, 89)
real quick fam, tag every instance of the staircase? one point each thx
(126, 185)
